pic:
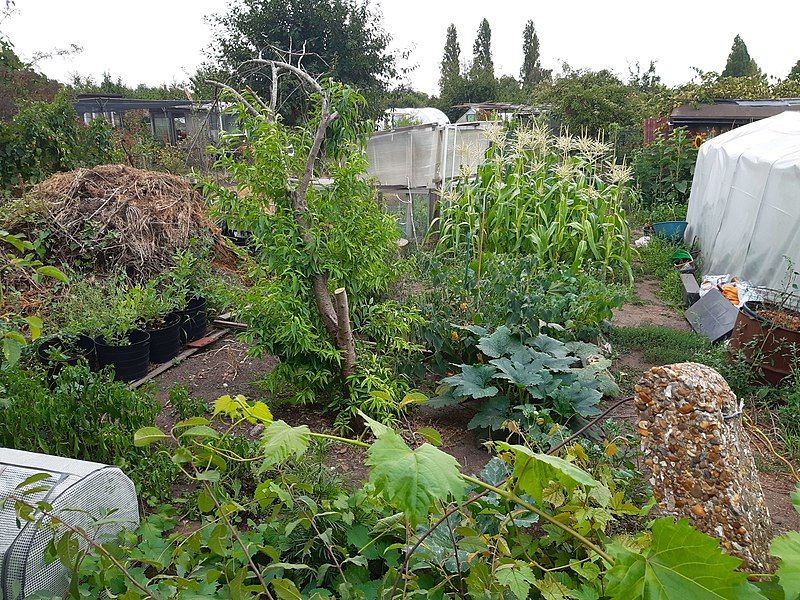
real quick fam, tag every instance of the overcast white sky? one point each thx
(157, 41)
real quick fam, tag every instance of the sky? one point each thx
(162, 41)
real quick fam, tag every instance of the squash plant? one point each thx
(530, 524)
(518, 376)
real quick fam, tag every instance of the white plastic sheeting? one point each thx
(413, 116)
(744, 208)
(424, 156)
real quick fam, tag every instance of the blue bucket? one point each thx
(670, 229)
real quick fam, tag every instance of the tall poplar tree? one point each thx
(450, 71)
(531, 72)
(482, 64)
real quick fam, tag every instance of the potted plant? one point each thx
(188, 282)
(122, 344)
(156, 313)
(67, 350)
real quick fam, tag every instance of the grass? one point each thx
(654, 262)
(660, 345)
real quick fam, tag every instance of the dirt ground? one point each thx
(225, 368)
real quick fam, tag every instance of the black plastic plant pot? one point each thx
(195, 322)
(72, 351)
(130, 361)
(165, 342)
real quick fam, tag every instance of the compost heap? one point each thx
(117, 217)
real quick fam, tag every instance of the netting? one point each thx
(91, 497)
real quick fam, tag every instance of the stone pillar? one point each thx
(698, 452)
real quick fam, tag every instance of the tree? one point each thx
(646, 80)
(482, 65)
(740, 64)
(342, 39)
(450, 71)
(794, 74)
(531, 73)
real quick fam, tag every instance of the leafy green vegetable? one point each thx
(787, 548)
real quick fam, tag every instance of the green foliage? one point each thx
(531, 73)
(680, 562)
(482, 68)
(341, 39)
(182, 402)
(794, 74)
(663, 171)
(787, 548)
(18, 265)
(740, 64)
(450, 69)
(556, 199)
(655, 262)
(45, 137)
(413, 480)
(82, 415)
(516, 375)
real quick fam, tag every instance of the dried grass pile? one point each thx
(117, 217)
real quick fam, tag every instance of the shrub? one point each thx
(664, 170)
(82, 415)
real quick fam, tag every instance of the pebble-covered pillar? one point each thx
(699, 455)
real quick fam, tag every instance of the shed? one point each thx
(744, 207)
(724, 115)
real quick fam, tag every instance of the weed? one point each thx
(655, 262)
(184, 404)
(660, 345)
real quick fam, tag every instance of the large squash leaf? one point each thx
(787, 548)
(501, 342)
(534, 472)
(681, 563)
(413, 480)
(473, 381)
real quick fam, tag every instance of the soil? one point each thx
(784, 319)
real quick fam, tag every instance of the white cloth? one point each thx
(744, 208)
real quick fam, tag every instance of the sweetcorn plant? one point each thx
(557, 199)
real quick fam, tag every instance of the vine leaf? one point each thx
(787, 548)
(680, 563)
(501, 342)
(280, 441)
(534, 472)
(492, 414)
(518, 577)
(148, 435)
(413, 480)
(473, 381)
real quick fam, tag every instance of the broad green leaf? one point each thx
(413, 480)
(12, 350)
(286, 590)
(148, 435)
(796, 498)
(260, 412)
(431, 435)
(492, 414)
(191, 422)
(680, 564)
(35, 478)
(201, 431)
(787, 548)
(54, 273)
(522, 374)
(534, 472)
(377, 428)
(552, 346)
(413, 398)
(518, 577)
(501, 342)
(35, 326)
(281, 441)
(205, 502)
(473, 381)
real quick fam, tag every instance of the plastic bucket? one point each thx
(165, 342)
(670, 229)
(131, 361)
(195, 323)
(82, 348)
